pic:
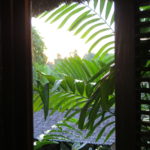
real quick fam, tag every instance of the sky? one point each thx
(63, 42)
(59, 41)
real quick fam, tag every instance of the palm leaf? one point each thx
(51, 15)
(98, 41)
(44, 94)
(78, 68)
(86, 16)
(86, 24)
(103, 130)
(70, 15)
(78, 20)
(63, 12)
(108, 44)
(94, 25)
(103, 118)
(95, 3)
(96, 33)
(108, 9)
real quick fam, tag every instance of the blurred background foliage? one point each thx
(84, 85)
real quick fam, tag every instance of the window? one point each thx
(16, 97)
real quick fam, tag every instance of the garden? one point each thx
(75, 97)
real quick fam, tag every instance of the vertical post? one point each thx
(16, 73)
(126, 102)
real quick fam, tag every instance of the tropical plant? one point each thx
(73, 90)
(87, 87)
(38, 48)
(39, 59)
(92, 21)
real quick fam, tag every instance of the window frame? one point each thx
(16, 74)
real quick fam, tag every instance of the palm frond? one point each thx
(87, 87)
(93, 21)
(78, 68)
(101, 100)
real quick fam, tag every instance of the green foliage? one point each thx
(81, 69)
(85, 86)
(39, 144)
(93, 21)
(73, 92)
(38, 48)
(39, 59)
(56, 133)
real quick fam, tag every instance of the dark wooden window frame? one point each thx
(16, 75)
(127, 118)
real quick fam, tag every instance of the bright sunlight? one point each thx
(59, 41)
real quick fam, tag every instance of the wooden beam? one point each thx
(126, 97)
(16, 94)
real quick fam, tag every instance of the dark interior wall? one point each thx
(1, 128)
(126, 94)
(0, 43)
(16, 76)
